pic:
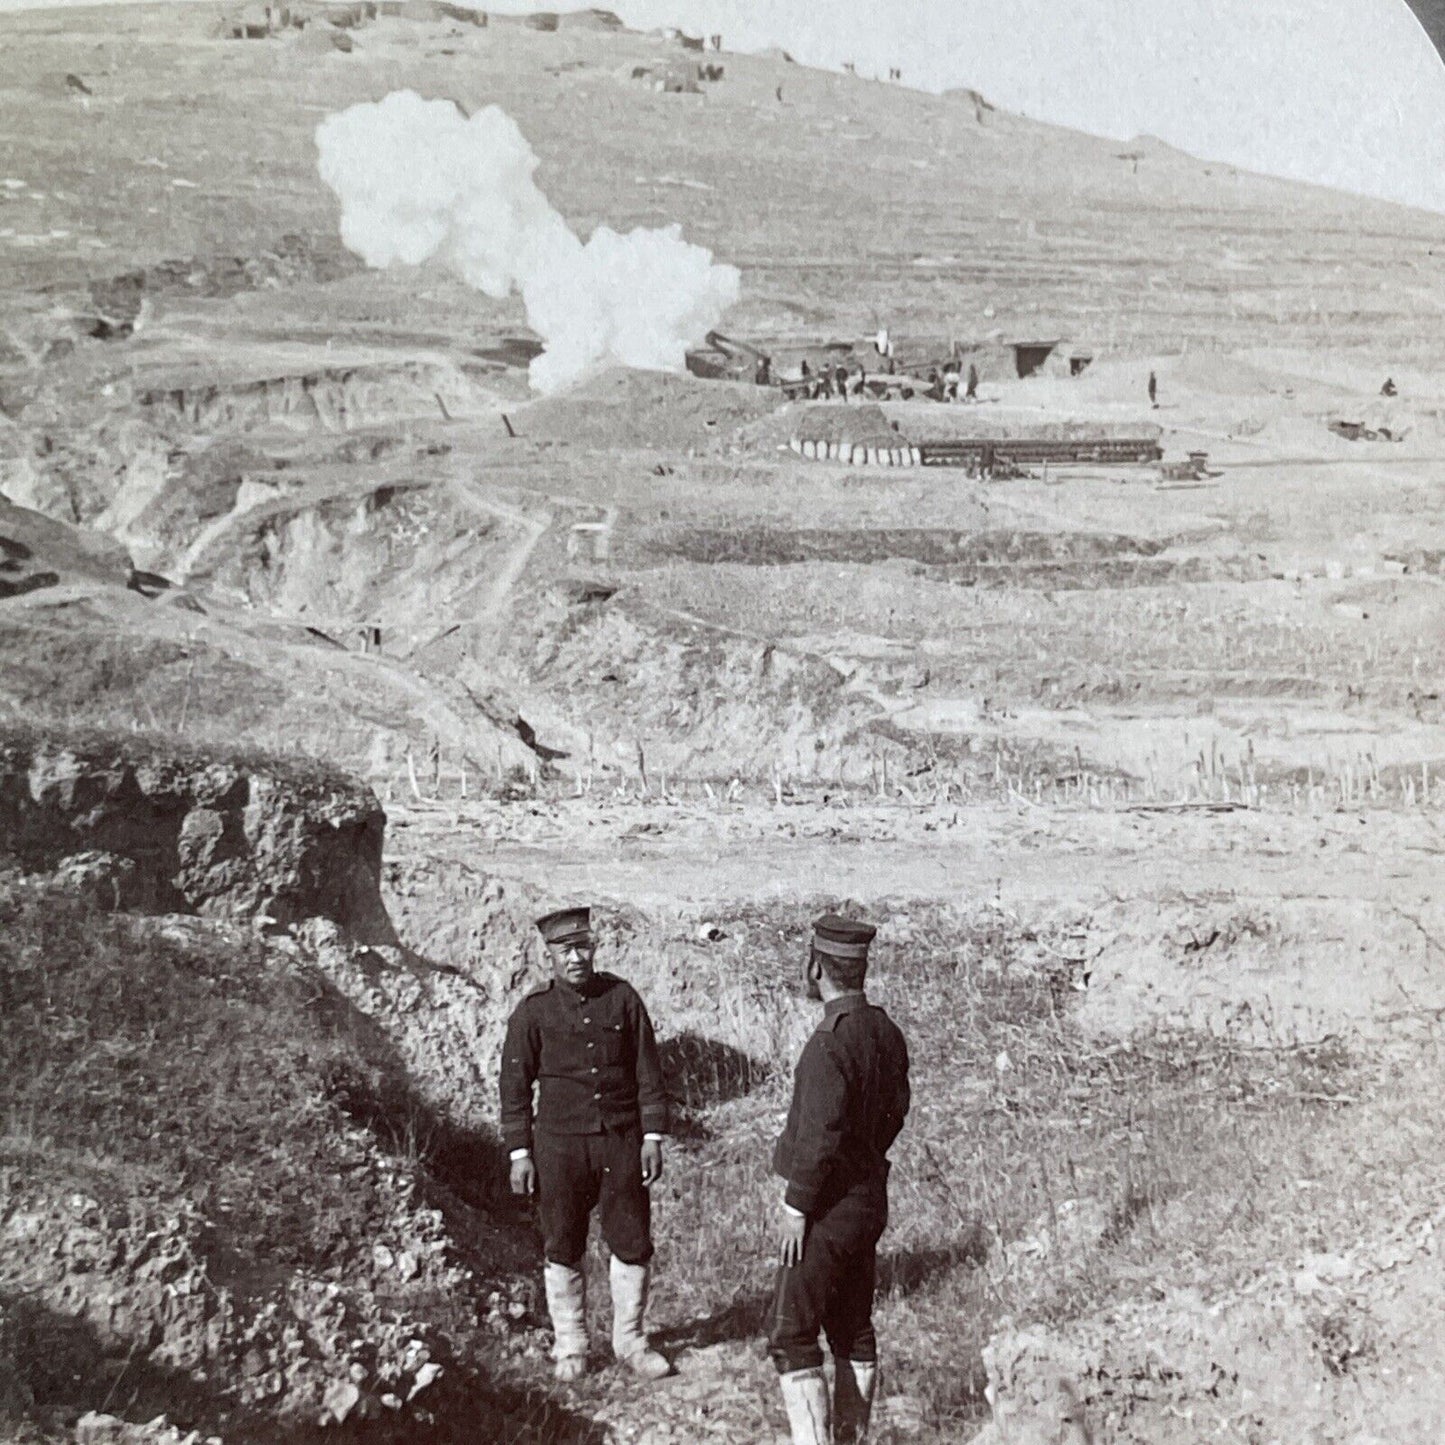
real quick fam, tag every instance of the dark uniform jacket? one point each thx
(593, 1058)
(850, 1097)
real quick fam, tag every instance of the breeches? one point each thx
(832, 1289)
(577, 1173)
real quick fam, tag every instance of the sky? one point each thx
(1345, 93)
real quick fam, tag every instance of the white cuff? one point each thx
(796, 1213)
(654, 1138)
(520, 1154)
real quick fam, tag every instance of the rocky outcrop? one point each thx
(143, 827)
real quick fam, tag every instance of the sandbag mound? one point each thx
(350, 17)
(323, 39)
(856, 434)
(621, 407)
(542, 20)
(589, 20)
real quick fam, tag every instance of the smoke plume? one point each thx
(418, 181)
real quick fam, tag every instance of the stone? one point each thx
(339, 1400)
(428, 1374)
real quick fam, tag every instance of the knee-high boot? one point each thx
(805, 1395)
(567, 1305)
(854, 1383)
(629, 1340)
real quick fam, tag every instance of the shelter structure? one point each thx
(588, 20)
(669, 77)
(590, 540)
(1030, 356)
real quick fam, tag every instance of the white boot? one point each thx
(567, 1305)
(854, 1383)
(805, 1395)
(629, 1341)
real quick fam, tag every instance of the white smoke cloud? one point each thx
(418, 181)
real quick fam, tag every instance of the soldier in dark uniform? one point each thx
(595, 1142)
(850, 1097)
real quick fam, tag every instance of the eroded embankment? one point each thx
(321, 398)
(163, 830)
(226, 1189)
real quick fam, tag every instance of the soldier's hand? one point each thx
(651, 1162)
(792, 1229)
(524, 1175)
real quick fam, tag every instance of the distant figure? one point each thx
(861, 385)
(950, 381)
(935, 384)
(763, 371)
(717, 42)
(1389, 388)
(840, 380)
(1153, 390)
(805, 371)
(883, 343)
(779, 94)
(971, 393)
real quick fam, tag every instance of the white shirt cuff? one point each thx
(656, 1138)
(520, 1154)
(796, 1213)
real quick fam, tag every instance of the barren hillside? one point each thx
(1137, 763)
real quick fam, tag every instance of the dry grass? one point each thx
(153, 1061)
(1041, 1176)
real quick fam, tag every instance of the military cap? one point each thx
(842, 937)
(566, 925)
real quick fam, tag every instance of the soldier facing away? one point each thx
(584, 1040)
(850, 1098)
